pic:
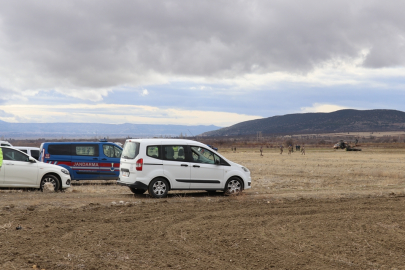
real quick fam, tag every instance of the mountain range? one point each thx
(91, 130)
(306, 123)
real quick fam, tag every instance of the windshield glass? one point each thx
(131, 150)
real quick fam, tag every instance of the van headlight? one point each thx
(65, 171)
(245, 169)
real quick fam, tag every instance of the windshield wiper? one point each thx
(126, 157)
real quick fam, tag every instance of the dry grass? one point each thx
(321, 173)
(324, 171)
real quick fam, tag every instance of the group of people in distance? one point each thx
(290, 149)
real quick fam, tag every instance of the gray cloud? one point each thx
(101, 44)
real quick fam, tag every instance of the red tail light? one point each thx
(139, 164)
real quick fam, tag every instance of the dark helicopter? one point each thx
(345, 145)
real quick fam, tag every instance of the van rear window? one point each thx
(131, 150)
(153, 151)
(59, 149)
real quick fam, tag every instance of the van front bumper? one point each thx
(137, 185)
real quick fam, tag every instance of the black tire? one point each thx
(233, 186)
(50, 179)
(158, 188)
(137, 191)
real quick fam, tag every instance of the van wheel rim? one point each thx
(234, 186)
(159, 188)
(49, 180)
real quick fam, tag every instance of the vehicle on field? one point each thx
(31, 151)
(84, 160)
(5, 143)
(20, 170)
(161, 165)
(345, 145)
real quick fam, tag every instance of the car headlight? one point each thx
(65, 171)
(245, 169)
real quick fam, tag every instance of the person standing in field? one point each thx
(303, 150)
(1, 158)
(261, 150)
(281, 149)
(289, 149)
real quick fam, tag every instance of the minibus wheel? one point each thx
(233, 186)
(158, 188)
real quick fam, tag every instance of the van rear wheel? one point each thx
(158, 188)
(137, 191)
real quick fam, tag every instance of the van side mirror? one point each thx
(32, 160)
(217, 162)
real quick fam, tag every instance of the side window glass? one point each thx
(108, 150)
(202, 155)
(153, 151)
(9, 154)
(85, 150)
(59, 149)
(35, 154)
(174, 152)
(117, 152)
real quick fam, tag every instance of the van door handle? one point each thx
(103, 159)
(184, 165)
(196, 166)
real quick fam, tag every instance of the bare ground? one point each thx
(325, 210)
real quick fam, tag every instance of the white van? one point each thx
(31, 151)
(160, 165)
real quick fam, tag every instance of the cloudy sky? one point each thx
(197, 62)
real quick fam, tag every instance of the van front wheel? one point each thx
(158, 188)
(233, 186)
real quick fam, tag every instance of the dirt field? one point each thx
(326, 210)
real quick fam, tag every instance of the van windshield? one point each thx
(131, 150)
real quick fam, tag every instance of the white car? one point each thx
(160, 165)
(22, 171)
(31, 151)
(5, 143)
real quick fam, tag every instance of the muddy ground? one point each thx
(303, 213)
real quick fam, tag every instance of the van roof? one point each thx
(165, 141)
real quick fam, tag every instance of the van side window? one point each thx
(108, 150)
(174, 152)
(59, 149)
(202, 155)
(153, 151)
(85, 150)
(35, 154)
(118, 152)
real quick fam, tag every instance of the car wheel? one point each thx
(137, 191)
(158, 188)
(233, 186)
(52, 180)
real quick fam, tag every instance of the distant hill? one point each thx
(304, 123)
(91, 130)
